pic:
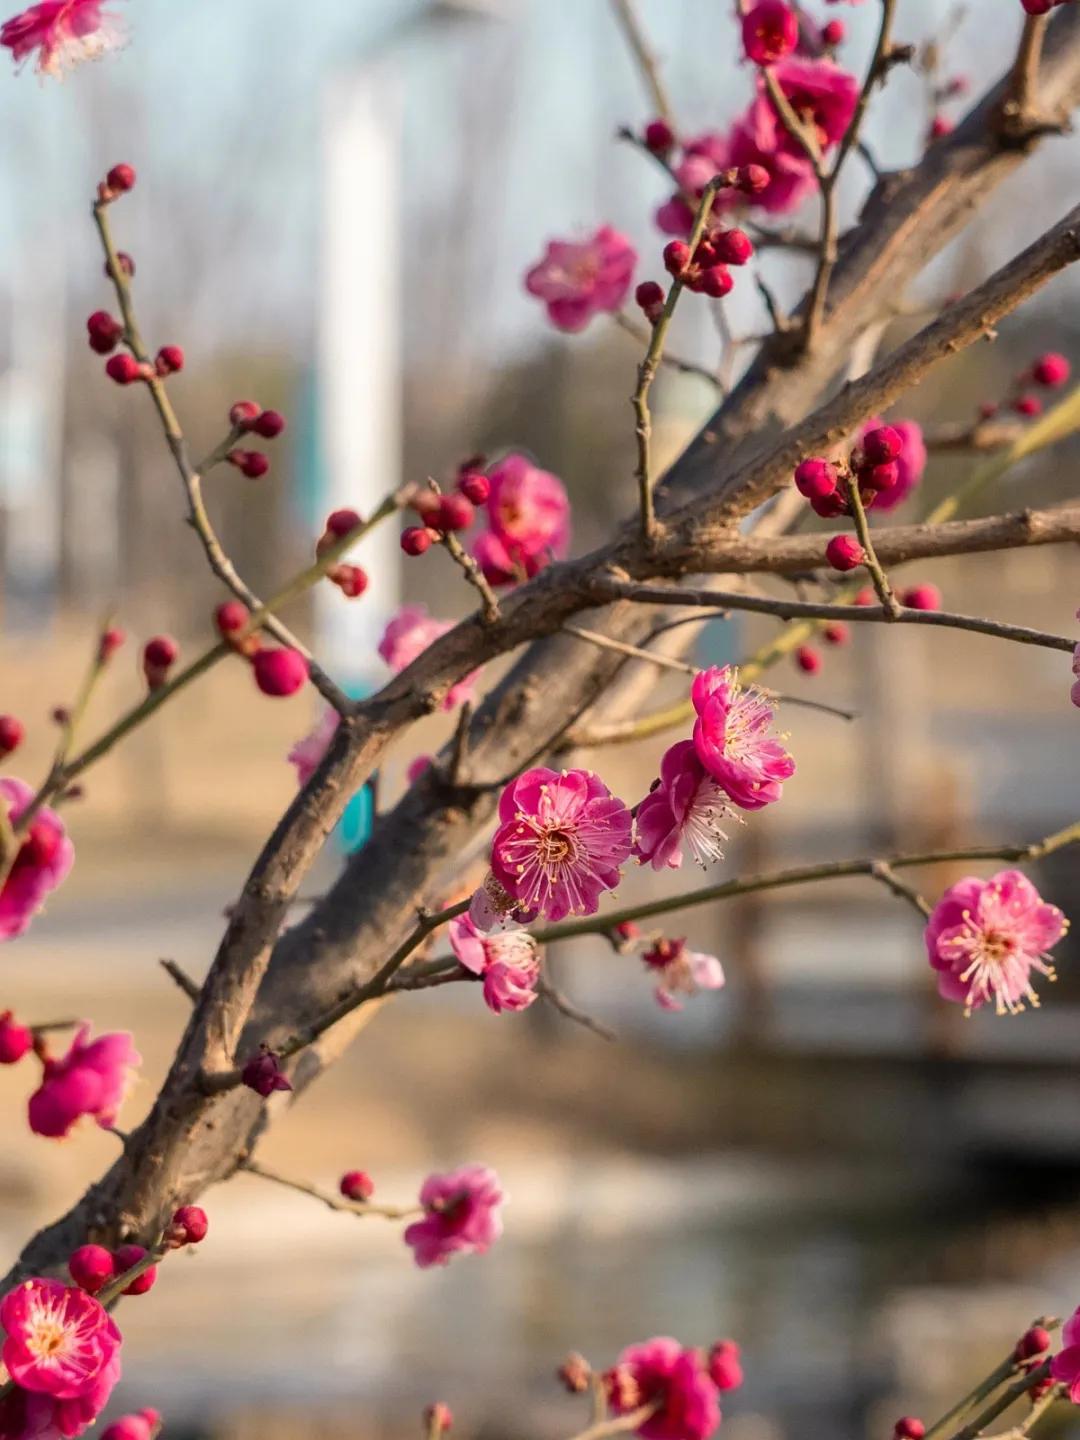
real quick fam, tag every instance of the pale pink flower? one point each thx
(408, 635)
(1065, 1366)
(528, 514)
(686, 806)
(560, 843)
(681, 972)
(461, 1215)
(91, 1079)
(703, 157)
(661, 1372)
(822, 95)
(26, 1415)
(307, 754)
(507, 963)
(759, 138)
(577, 280)
(63, 32)
(59, 1339)
(732, 739)
(985, 937)
(910, 463)
(42, 863)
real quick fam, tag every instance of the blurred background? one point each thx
(336, 205)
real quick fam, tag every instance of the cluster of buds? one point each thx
(873, 465)
(92, 1267)
(444, 512)
(351, 580)
(247, 417)
(278, 671)
(660, 139)
(704, 270)
(1048, 372)
(809, 659)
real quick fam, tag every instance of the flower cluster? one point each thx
(986, 937)
(887, 462)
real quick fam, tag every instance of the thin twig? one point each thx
(489, 605)
(986, 1387)
(880, 580)
(565, 1007)
(198, 516)
(646, 61)
(975, 1427)
(359, 1208)
(643, 334)
(191, 988)
(620, 1425)
(802, 875)
(884, 872)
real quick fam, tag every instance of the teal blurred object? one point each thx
(355, 826)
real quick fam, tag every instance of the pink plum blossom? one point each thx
(529, 520)
(985, 937)
(461, 1216)
(42, 863)
(577, 280)
(91, 1079)
(910, 463)
(408, 635)
(59, 1339)
(560, 842)
(26, 1415)
(507, 963)
(822, 95)
(1065, 1366)
(681, 972)
(686, 806)
(703, 157)
(759, 138)
(307, 754)
(732, 739)
(661, 1372)
(63, 32)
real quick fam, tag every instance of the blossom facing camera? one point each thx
(59, 1340)
(462, 1216)
(561, 841)
(577, 280)
(661, 1372)
(687, 807)
(985, 938)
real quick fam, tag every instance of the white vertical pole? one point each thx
(359, 353)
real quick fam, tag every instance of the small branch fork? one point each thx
(627, 16)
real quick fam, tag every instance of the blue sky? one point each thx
(508, 142)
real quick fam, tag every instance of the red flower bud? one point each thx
(808, 659)
(882, 444)
(128, 1255)
(1028, 406)
(733, 247)
(455, 512)
(263, 1074)
(357, 1185)
(676, 257)
(170, 360)
(816, 478)
(753, 179)
(833, 33)
(416, 539)
(189, 1226)
(11, 734)
(230, 616)
(110, 641)
(269, 424)
(159, 654)
(280, 672)
(474, 485)
(836, 633)
(844, 552)
(351, 580)
(921, 597)
(243, 414)
(124, 369)
(252, 463)
(91, 1267)
(717, 282)
(15, 1040)
(121, 178)
(908, 1428)
(1051, 369)
(659, 136)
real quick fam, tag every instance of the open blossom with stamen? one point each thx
(43, 860)
(307, 754)
(681, 972)
(91, 1079)
(408, 635)
(660, 1372)
(59, 1340)
(686, 807)
(985, 937)
(732, 740)
(506, 962)
(529, 518)
(63, 32)
(560, 843)
(577, 280)
(461, 1215)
